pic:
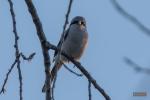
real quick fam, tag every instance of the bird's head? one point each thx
(78, 20)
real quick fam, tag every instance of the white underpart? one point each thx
(75, 42)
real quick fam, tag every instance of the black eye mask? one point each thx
(77, 22)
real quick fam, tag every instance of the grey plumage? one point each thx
(75, 41)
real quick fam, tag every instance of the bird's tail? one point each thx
(53, 74)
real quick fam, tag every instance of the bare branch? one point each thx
(16, 46)
(55, 78)
(65, 24)
(17, 54)
(53, 86)
(130, 17)
(136, 67)
(20, 79)
(30, 57)
(43, 40)
(72, 71)
(61, 41)
(7, 75)
(82, 69)
(89, 90)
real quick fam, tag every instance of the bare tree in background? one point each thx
(46, 46)
(140, 26)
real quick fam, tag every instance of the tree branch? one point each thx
(82, 69)
(89, 90)
(65, 24)
(136, 67)
(17, 54)
(72, 71)
(64, 27)
(7, 75)
(61, 41)
(16, 47)
(43, 40)
(130, 17)
(30, 57)
(20, 79)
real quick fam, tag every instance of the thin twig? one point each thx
(136, 67)
(82, 69)
(55, 78)
(61, 42)
(72, 71)
(66, 23)
(16, 47)
(30, 57)
(130, 17)
(64, 27)
(17, 54)
(7, 75)
(89, 90)
(20, 79)
(53, 85)
(43, 40)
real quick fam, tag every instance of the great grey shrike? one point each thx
(75, 41)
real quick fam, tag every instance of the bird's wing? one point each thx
(58, 45)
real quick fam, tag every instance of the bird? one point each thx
(74, 43)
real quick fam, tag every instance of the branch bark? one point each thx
(43, 40)
(82, 69)
(17, 52)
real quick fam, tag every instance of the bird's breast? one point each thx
(75, 43)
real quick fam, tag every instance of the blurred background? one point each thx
(112, 37)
